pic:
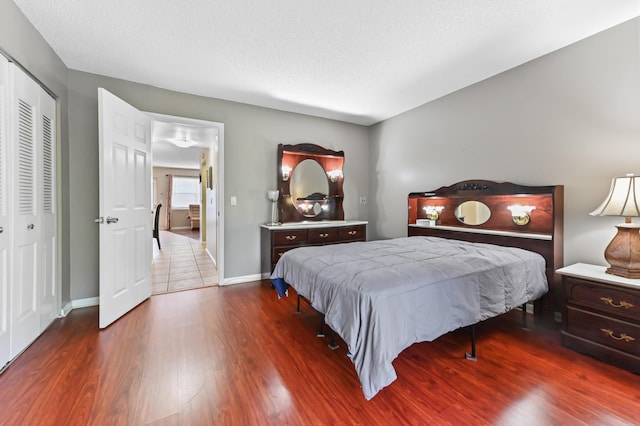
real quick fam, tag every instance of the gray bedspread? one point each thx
(383, 296)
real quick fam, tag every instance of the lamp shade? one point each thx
(623, 198)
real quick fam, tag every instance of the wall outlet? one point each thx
(363, 200)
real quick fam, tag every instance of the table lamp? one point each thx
(623, 252)
(273, 196)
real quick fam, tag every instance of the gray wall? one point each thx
(23, 44)
(250, 144)
(569, 118)
(251, 138)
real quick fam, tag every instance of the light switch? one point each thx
(234, 200)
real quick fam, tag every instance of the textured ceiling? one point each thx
(359, 61)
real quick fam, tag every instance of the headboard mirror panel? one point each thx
(527, 217)
(486, 205)
(310, 183)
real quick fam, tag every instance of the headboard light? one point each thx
(433, 212)
(286, 172)
(520, 214)
(334, 175)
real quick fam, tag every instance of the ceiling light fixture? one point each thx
(182, 143)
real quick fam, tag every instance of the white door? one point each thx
(47, 206)
(125, 203)
(5, 218)
(25, 318)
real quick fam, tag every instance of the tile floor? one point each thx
(182, 264)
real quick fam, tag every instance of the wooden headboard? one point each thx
(542, 234)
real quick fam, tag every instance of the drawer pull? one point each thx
(622, 304)
(291, 237)
(623, 336)
(352, 233)
(324, 235)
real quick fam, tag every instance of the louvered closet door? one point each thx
(25, 318)
(5, 218)
(47, 207)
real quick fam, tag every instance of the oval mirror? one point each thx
(309, 187)
(473, 213)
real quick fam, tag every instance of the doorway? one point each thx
(189, 150)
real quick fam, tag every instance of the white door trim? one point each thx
(220, 174)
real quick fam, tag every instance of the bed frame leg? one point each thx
(321, 327)
(524, 316)
(472, 356)
(298, 306)
(332, 340)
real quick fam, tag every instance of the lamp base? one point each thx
(273, 223)
(623, 252)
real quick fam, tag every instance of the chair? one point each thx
(156, 230)
(194, 215)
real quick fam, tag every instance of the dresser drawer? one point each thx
(323, 235)
(290, 237)
(275, 241)
(353, 233)
(279, 251)
(610, 332)
(603, 353)
(618, 301)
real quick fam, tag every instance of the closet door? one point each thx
(47, 209)
(5, 217)
(25, 318)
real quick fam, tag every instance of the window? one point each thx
(186, 190)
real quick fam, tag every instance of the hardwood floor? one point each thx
(239, 356)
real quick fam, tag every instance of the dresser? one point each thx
(275, 240)
(601, 315)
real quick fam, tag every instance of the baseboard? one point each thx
(243, 279)
(95, 301)
(557, 317)
(530, 308)
(65, 310)
(79, 303)
(179, 227)
(206, 250)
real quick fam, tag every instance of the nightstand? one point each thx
(601, 315)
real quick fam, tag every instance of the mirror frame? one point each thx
(479, 205)
(290, 156)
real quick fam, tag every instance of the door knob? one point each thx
(111, 220)
(31, 226)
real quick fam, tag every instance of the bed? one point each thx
(382, 296)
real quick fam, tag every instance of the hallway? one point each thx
(182, 264)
